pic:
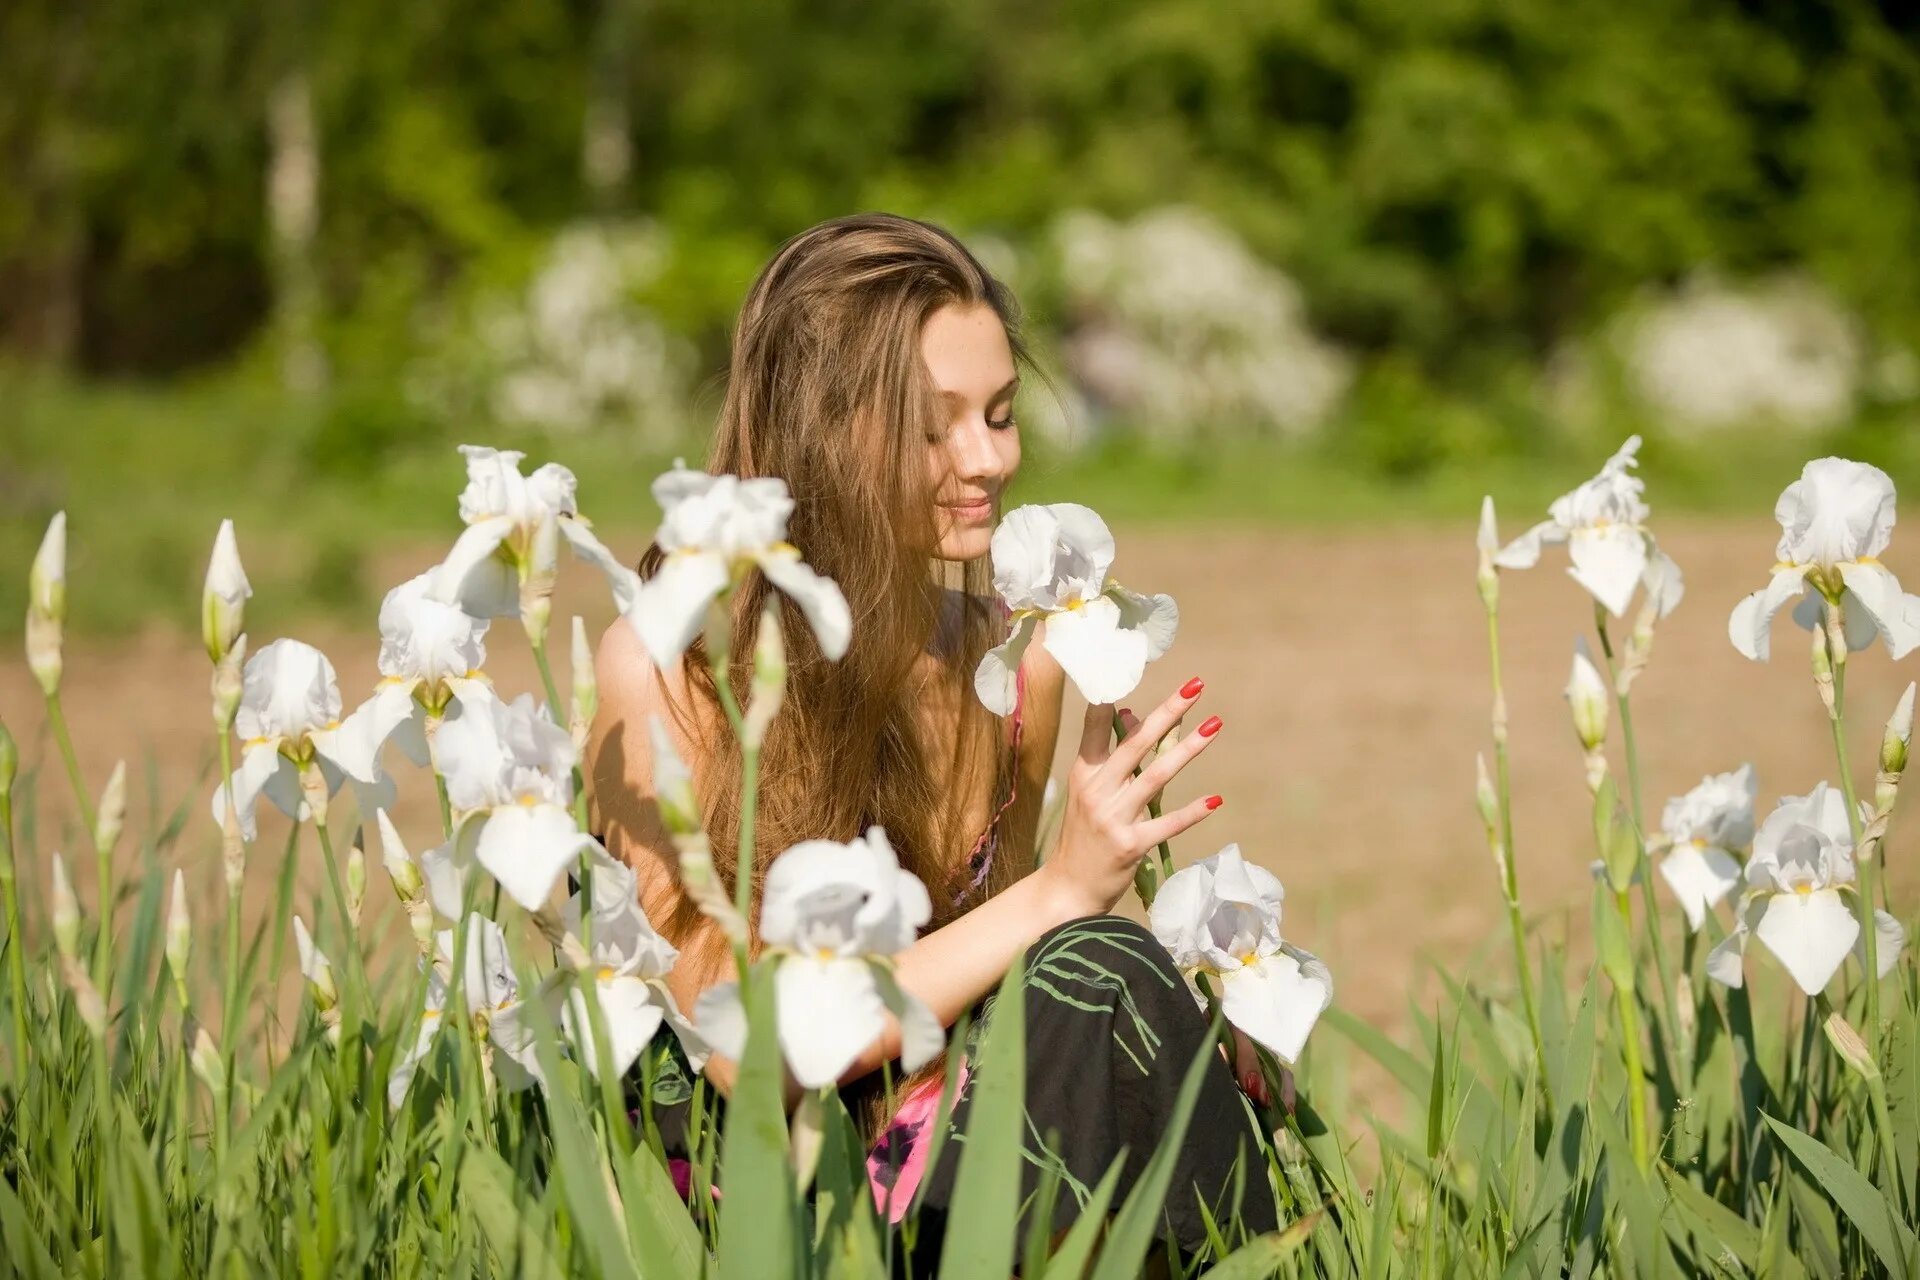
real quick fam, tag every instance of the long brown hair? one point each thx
(828, 391)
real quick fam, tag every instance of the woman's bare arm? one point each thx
(1103, 836)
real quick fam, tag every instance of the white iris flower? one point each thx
(1706, 831)
(507, 515)
(631, 961)
(1221, 917)
(1835, 520)
(289, 715)
(489, 989)
(714, 529)
(429, 651)
(509, 775)
(831, 915)
(1604, 524)
(1795, 904)
(1050, 564)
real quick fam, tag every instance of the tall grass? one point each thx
(1631, 1120)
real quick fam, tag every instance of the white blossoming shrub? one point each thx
(1715, 355)
(1179, 330)
(575, 351)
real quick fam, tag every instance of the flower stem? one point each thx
(58, 720)
(230, 995)
(103, 941)
(720, 661)
(1145, 882)
(1627, 1002)
(1632, 750)
(16, 944)
(357, 995)
(1868, 867)
(1509, 871)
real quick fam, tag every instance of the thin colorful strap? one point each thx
(980, 860)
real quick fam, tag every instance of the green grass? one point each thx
(1593, 1128)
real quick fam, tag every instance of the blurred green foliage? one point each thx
(1461, 188)
(1457, 183)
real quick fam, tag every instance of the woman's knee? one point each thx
(1106, 944)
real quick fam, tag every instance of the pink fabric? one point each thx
(911, 1128)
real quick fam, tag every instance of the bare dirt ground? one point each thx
(1351, 670)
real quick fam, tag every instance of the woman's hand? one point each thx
(1105, 829)
(1246, 1069)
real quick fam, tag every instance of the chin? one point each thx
(961, 545)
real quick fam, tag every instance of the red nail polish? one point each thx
(1214, 802)
(1210, 726)
(1192, 688)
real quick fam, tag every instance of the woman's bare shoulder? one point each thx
(619, 750)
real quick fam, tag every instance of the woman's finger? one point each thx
(1096, 734)
(1246, 1068)
(1167, 826)
(1133, 749)
(1162, 770)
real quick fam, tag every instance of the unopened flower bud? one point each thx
(1823, 668)
(47, 580)
(356, 881)
(111, 819)
(1488, 542)
(223, 599)
(1484, 794)
(586, 692)
(317, 969)
(233, 852)
(313, 790)
(229, 683)
(43, 651)
(672, 781)
(1489, 804)
(47, 605)
(87, 1002)
(1899, 734)
(1587, 695)
(65, 912)
(179, 932)
(537, 578)
(407, 881)
(1852, 1049)
(769, 685)
(207, 1064)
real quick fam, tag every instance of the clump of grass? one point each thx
(159, 1114)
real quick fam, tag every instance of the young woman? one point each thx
(874, 370)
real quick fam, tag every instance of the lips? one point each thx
(977, 510)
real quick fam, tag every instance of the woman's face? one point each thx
(966, 350)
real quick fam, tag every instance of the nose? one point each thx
(970, 443)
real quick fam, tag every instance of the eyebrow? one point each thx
(1005, 392)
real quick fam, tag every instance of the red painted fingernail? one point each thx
(1250, 1082)
(1192, 688)
(1126, 712)
(1214, 802)
(1210, 726)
